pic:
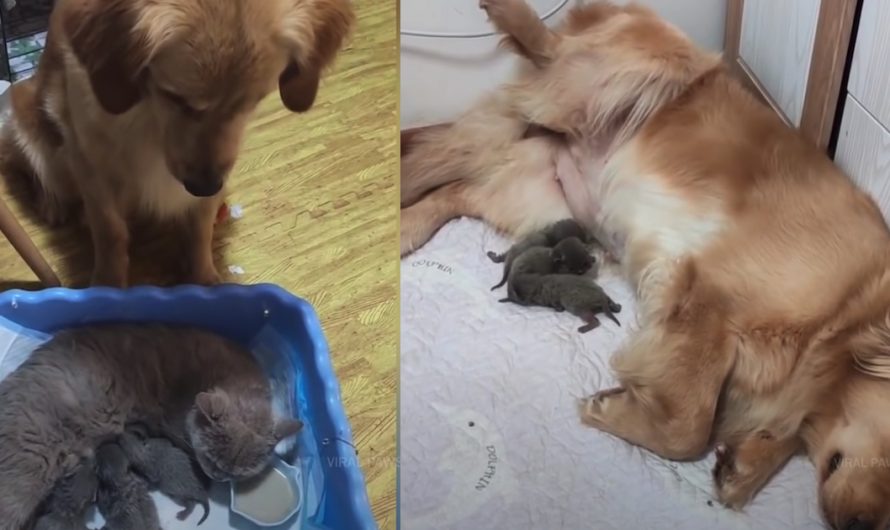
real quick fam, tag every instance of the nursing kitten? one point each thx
(568, 256)
(579, 296)
(123, 497)
(546, 237)
(205, 393)
(168, 469)
(66, 506)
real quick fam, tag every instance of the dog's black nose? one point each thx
(857, 524)
(203, 187)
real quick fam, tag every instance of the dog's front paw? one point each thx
(206, 276)
(593, 408)
(724, 465)
(732, 490)
(109, 277)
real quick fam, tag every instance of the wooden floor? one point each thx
(320, 199)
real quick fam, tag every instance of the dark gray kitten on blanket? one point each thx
(168, 469)
(123, 497)
(78, 391)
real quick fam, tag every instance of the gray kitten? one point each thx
(568, 256)
(546, 237)
(564, 292)
(168, 469)
(66, 506)
(123, 497)
(205, 393)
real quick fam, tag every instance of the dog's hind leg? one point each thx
(519, 196)
(671, 420)
(671, 375)
(525, 32)
(420, 221)
(467, 150)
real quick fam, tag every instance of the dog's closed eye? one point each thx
(833, 463)
(180, 102)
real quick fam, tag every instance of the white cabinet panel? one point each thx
(863, 152)
(777, 45)
(870, 72)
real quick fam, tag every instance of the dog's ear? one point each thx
(315, 32)
(102, 34)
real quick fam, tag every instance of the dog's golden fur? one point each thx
(137, 108)
(763, 274)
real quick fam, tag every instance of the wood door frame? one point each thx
(831, 43)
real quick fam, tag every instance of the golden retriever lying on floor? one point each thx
(763, 274)
(138, 108)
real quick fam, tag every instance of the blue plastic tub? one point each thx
(240, 313)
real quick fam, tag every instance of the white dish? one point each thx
(255, 495)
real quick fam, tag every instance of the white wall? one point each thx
(442, 77)
(777, 44)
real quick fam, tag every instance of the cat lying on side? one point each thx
(79, 390)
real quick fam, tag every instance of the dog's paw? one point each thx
(731, 488)
(592, 409)
(109, 277)
(206, 276)
(498, 10)
(724, 464)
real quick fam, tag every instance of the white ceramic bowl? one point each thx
(293, 475)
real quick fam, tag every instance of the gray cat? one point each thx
(168, 469)
(66, 506)
(77, 391)
(123, 497)
(579, 296)
(568, 256)
(548, 236)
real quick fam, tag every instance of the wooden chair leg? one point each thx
(19, 239)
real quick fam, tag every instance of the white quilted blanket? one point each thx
(489, 434)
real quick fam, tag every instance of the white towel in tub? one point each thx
(489, 433)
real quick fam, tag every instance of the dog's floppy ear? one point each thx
(102, 35)
(315, 31)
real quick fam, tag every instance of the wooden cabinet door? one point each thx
(792, 53)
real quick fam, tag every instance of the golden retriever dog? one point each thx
(138, 107)
(762, 272)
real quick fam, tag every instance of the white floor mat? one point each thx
(489, 433)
